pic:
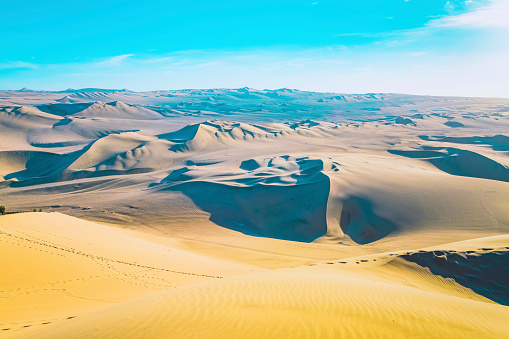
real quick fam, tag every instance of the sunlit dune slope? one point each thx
(55, 266)
(373, 296)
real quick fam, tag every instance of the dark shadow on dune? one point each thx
(45, 167)
(497, 142)
(296, 212)
(486, 273)
(454, 124)
(63, 122)
(459, 162)
(39, 164)
(404, 121)
(359, 221)
(69, 176)
(182, 135)
(64, 109)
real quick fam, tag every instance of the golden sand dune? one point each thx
(375, 296)
(56, 266)
(64, 272)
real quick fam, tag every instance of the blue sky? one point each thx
(410, 46)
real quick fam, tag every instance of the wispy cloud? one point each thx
(17, 65)
(493, 15)
(114, 61)
(158, 60)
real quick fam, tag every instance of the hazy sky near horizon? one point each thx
(409, 46)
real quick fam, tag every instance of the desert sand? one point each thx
(246, 213)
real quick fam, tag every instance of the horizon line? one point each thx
(126, 90)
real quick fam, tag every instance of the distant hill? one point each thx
(88, 90)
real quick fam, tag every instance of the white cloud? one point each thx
(494, 15)
(157, 60)
(17, 64)
(114, 61)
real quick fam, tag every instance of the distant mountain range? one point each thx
(88, 90)
(80, 90)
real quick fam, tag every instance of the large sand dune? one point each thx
(204, 210)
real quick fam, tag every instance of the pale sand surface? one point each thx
(385, 215)
(56, 266)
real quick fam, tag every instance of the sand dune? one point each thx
(119, 110)
(264, 191)
(59, 266)
(476, 270)
(460, 162)
(497, 142)
(253, 213)
(383, 295)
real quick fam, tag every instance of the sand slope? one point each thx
(58, 266)
(376, 296)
